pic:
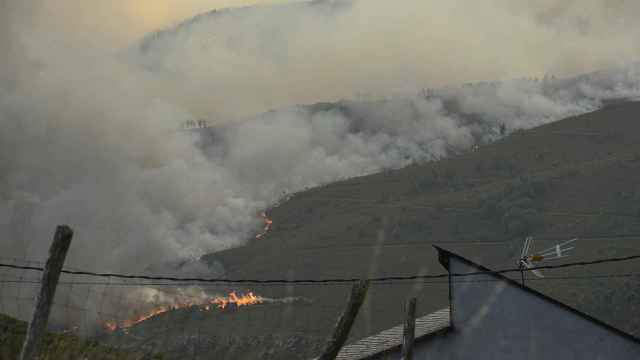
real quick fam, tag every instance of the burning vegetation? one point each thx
(219, 302)
(267, 225)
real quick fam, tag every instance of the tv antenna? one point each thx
(528, 259)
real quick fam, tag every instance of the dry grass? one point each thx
(59, 346)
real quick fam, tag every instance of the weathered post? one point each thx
(345, 322)
(38, 325)
(408, 334)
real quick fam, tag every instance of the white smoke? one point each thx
(90, 137)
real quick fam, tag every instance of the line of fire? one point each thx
(232, 300)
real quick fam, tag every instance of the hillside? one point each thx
(573, 178)
(207, 165)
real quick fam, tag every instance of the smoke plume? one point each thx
(90, 114)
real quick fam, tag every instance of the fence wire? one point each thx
(102, 316)
(140, 319)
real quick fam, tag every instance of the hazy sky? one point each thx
(122, 20)
(147, 15)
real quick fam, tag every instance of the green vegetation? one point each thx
(59, 346)
(518, 207)
(515, 211)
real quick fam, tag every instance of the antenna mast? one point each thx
(527, 258)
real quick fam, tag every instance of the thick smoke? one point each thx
(90, 131)
(250, 60)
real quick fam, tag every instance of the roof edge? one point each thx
(444, 256)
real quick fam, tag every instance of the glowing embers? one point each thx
(267, 225)
(218, 302)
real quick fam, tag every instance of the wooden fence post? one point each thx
(38, 325)
(408, 334)
(345, 322)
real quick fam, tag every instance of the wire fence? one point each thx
(331, 280)
(137, 316)
(139, 319)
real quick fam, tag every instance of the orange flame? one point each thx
(248, 299)
(221, 301)
(111, 326)
(267, 225)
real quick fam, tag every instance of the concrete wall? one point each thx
(498, 320)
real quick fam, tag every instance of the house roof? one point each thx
(386, 340)
(439, 322)
(445, 255)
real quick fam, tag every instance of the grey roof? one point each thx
(444, 255)
(390, 338)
